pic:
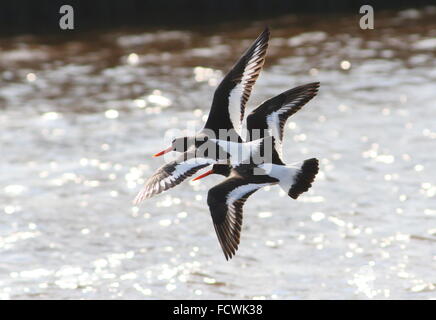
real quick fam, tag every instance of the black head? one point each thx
(184, 143)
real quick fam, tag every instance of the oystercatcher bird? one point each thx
(227, 112)
(244, 176)
(226, 199)
(230, 98)
(196, 158)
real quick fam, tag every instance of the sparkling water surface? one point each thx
(81, 116)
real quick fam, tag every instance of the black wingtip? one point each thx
(309, 86)
(313, 87)
(264, 36)
(266, 30)
(314, 84)
(304, 178)
(307, 91)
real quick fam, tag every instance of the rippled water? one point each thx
(81, 116)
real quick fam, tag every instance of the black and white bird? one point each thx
(230, 98)
(188, 163)
(226, 199)
(227, 112)
(244, 176)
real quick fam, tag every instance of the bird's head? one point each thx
(182, 144)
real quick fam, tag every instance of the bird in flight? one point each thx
(234, 157)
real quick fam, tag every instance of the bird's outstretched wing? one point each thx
(232, 94)
(225, 202)
(171, 174)
(272, 114)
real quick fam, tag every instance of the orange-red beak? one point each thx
(203, 175)
(163, 152)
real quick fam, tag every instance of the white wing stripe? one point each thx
(236, 98)
(239, 152)
(241, 191)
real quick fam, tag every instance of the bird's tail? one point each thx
(294, 178)
(302, 178)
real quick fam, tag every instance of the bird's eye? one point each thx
(205, 139)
